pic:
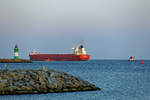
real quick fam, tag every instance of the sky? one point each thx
(109, 29)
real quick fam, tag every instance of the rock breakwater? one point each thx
(39, 81)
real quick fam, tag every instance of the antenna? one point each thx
(80, 42)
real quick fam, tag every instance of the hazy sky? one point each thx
(110, 29)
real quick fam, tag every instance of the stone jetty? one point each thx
(15, 61)
(40, 81)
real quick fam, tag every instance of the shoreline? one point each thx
(15, 61)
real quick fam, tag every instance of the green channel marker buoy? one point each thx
(16, 52)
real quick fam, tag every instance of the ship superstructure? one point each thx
(79, 50)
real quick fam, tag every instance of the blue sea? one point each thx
(118, 79)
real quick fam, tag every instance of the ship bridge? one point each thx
(79, 50)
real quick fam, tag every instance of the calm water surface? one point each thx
(118, 79)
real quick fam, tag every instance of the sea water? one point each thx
(118, 79)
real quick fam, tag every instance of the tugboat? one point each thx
(132, 59)
(79, 54)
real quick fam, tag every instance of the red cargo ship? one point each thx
(79, 54)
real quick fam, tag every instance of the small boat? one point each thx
(132, 59)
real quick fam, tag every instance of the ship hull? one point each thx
(58, 57)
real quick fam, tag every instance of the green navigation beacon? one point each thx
(16, 52)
